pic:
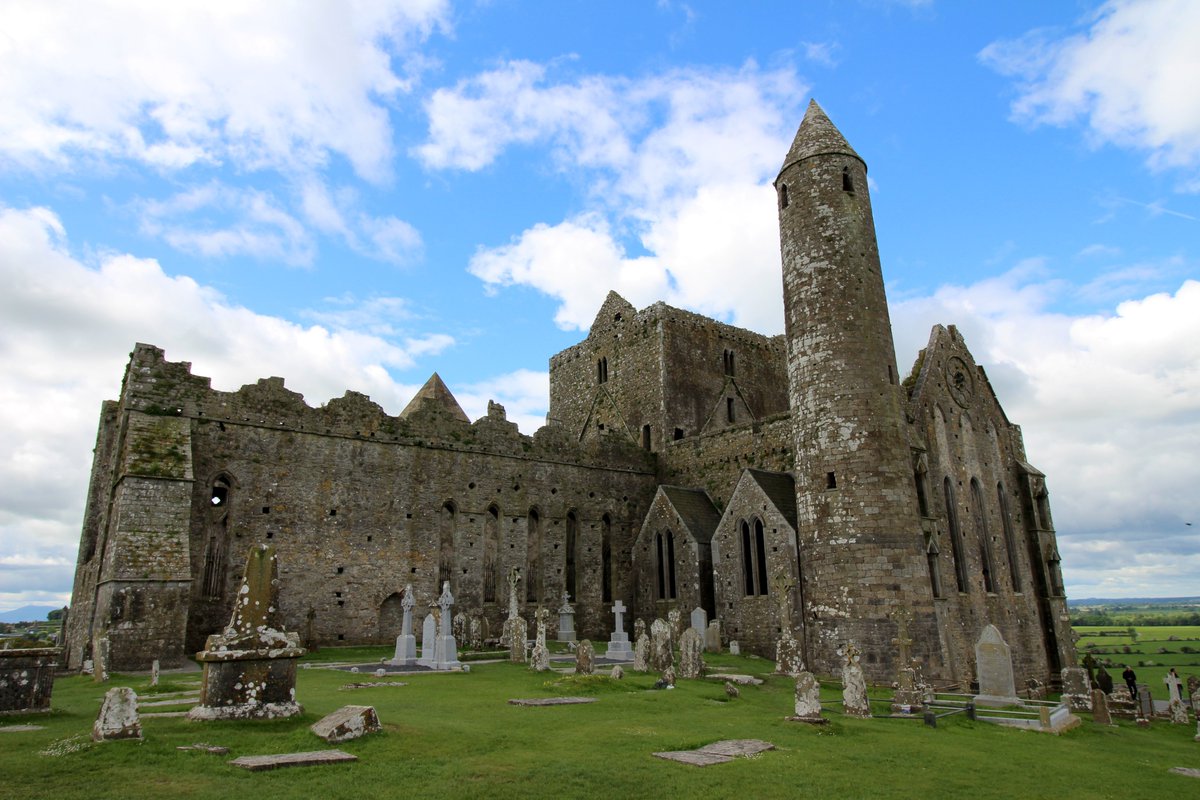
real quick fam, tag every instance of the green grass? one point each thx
(1153, 666)
(454, 735)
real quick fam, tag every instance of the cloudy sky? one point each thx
(354, 195)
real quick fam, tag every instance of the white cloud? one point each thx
(339, 213)
(1110, 408)
(257, 84)
(1129, 74)
(67, 327)
(525, 395)
(677, 165)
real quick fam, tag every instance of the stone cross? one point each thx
(783, 587)
(618, 609)
(514, 579)
(1174, 685)
(444, 603)
(565, 608)
(407, 603)
(903, 640)
(541, 616)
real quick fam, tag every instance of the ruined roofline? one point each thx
(660, 310)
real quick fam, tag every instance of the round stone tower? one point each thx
(861, 547)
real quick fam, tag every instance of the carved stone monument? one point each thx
(993, 665)
(406, 643)
(699, 620)
(1077, 689)
(516, 630)
(1100, 713)
(566, 620)
(808, 700)
(428, 642)
(712, 637)
(585, 658)
(250, 668)
(618, 643)
(661, 655)
(691, 654)
(908, 696)
(641, 654)
(854, 684)
(539, 657)
(118, 717)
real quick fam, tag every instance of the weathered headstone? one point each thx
(1193, 687)
(1077, 689)
(639, 627)
(566, 620)
(641, 654)
(1145, 703)
(1100, 713)
(428, 641)
(808, 700)
(735, 648)
(446, 654)
(460, 627)
(691, 654)
(539, 657)
(993, 666)
(731, 691)
(250, 668)
(712, 637)
(854, 684)
(789, 659)
(475, 633)
(1104, 680)
(1035, 689)
(348, 722)
(585, 658)
(406, 642)
(118, 717)
(661, 655)
(907, 697)
(699, 621)
(617, 673)
(516, 630)
(618, 642)
(668, 676)
(674, 626)
(1177, 711)
(154, 669)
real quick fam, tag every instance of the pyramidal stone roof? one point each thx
(817, 136)
(435, 391)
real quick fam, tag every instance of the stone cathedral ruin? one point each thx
(793, 483)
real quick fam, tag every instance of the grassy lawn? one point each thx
(454, 735)
(1150, 665)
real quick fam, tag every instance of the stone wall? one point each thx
(27, 679)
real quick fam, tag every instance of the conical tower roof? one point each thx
(817, 136)
(436, 392)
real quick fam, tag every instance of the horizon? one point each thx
(453, 188)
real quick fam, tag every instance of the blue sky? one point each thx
(355, 195)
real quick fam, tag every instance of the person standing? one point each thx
(1130, 678)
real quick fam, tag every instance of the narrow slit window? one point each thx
(847, 181)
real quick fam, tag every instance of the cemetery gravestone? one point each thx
(566, 620)
(406, 642)
(618, 643)
(250, 668)
(993, 663)
(1100, 713)
(539, 657)
(699, 621)
(641, 654)
(691, 654)
(1077, 689)
(712, 637)
(446, 654)
(118, 717)
(808, 700)
(348, 722)
(585, 658)
(661, 655)
(27, 679)
(428, 641)
(854, 684)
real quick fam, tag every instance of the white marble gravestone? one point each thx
(618, 643)
(406, 643)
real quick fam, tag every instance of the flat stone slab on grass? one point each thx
(373, 684)
(163, 714)
(215, 749)
(21, 728)
(166, 695)
(308, 759)
(718, 752)
(551, 701)
(182, 701)
(1191, 773)
(741, 680)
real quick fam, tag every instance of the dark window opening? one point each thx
(646, 437)
(533, 556)
(491, 547)
(662, 573)
(830, 480)
(891, 375)
(678, 434)
(602, 370)
(1010, 539)
(847, 181)
(572, 545)
(606, 560)
(760, 555)
(935, 578)
(747, 559)
(266, 509)
(446, 542)
(783, 195)
(220, 493)
(956, 545)
(730, 364)
(729, 409)
(985, 542)
(671, 563)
